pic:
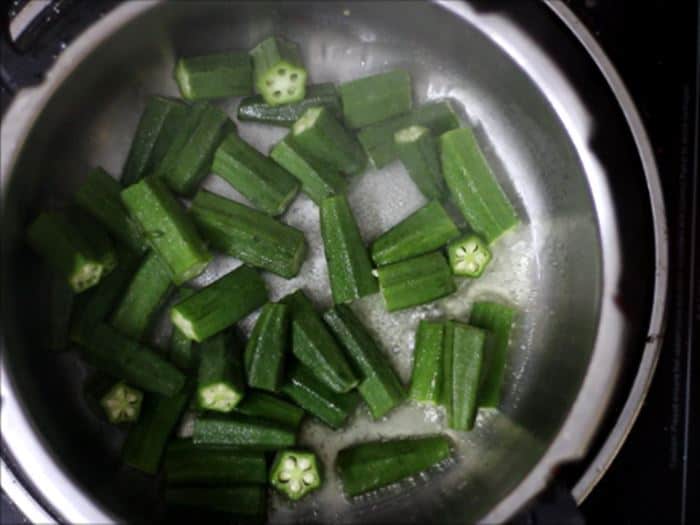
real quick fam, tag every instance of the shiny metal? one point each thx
(588, 270)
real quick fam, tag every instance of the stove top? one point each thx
(656, 476)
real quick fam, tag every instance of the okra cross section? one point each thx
(468, 256)
(498, 320)
(221, 384)
(427, 229)
(372, 465)
(375, 98)
(415, 281)
(426, 379)
(249, 235)
(219, 305)
(319, 134)
(315, 347)
(280, 75)
(122, 403)
(215, 76)
(474, 188)
(264, 353)
(168, 229)
(349, 266)
(295, 473)
(380, 388)
(268, 186)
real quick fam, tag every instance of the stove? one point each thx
(656, 49)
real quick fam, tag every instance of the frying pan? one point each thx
(587, 270)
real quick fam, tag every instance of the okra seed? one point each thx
(304, 464)
(294, 485)
(285, 475)
(268, 83)
(294, 76)
(308, 478)
(461, 252)
(290, 91)
(278, 93)
(290, 464)
(281, 71)
(472, 267)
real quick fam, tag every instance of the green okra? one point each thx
(349, 265)
(271, 408)
(415, 281)
(473, 187)
(249, 235)
(112, 399)
(467, 356)
(426, 379)
(220, 304)
(418, 152)
(168, 229)
(184, 353)
(376, 98)
(295, 473)
(218, 75)
(318, 178)
(319, 135)
(258, 178)
(378, 139)
(242, 431)
(264, 353)
(424, 231)
(221, 382)
(280, 75)
(469, 256)
(380, 387)
(255, 109)
(146, 292)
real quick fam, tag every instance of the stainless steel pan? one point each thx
(588, 269)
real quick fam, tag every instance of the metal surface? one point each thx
(588, 228)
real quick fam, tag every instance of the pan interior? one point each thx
(549, 268)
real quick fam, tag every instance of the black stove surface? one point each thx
(656, 477)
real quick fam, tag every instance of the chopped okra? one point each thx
(122, 403)
(469, 256)
(295, 473)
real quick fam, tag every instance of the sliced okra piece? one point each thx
(295, 473)
(468, 256)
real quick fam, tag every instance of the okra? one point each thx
(147, 290)
(159, 113)
(475, 190)
(219, 305)
(349, 266)
(171, 146)
(303, 387)
(194, 160)
(320, 135)
(145, 444)
(97, 237)
(100, 196)
(249, 235)
(113, 399)
(258, 178)
(447, 369)
(315, 347)
(378, 139)
(264, 353)
(318, 179)
(415, 281)
(60, 309)
(418, 152)
(295, 473)
(498, 320)
(380, 388)
(56, 238)
(467, 356)
(184, 353)
(188, 464)
(376, 98)
(468, 256)
(242, 431)
(94, 306)
(108, 350)
(271, 408)
(168, 229)
(426, 379)
(238, 500)
(221, 383)
(376, 464)
(280, 75)
(214, 76)
(255, 109)
(424, 231)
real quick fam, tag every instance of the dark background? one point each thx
(654, 45)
